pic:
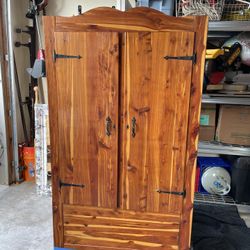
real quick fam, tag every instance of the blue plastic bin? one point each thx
(205, 162)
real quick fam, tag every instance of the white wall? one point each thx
(69, 8)
(130, 4)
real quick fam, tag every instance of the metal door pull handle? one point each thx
(108, 126)
(133, 127)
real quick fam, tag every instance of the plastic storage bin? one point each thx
(29, 163)
(165, 6)
(205, 162)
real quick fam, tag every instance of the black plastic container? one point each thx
(241, 180)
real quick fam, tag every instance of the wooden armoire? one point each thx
(124, 102)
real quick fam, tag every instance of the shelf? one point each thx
(217, 200)
(230, 26)
(222, 99)
(224, 149)
(220, 35)
(213, 198)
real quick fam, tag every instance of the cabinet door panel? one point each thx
(87, 92)
(155, 100)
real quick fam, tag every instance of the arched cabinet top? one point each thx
(135, 19)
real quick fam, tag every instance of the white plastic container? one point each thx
(165, 6)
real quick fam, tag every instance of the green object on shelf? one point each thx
(204, 120)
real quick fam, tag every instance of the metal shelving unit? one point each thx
(218, 30)
(229, 26)
(223, 99)
(218, 200)
(224, 149)
(213, 198)
(221, 148)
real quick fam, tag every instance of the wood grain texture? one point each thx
(49, 24)
(193, 130)
(119, 229)
(87, 95)
(135, 19)
(164, 97)
(88, 247)
(155, 92)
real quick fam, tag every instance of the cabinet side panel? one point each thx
(193, 130)
(49, 25)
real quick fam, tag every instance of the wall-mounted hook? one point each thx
(79, 9)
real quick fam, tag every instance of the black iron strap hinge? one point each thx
(171, 192)
(57, 56)
(191, 58)
(70, 184)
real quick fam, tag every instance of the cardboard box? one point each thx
(234, 125)
(208, 113)
(207, 133)
(207, 122)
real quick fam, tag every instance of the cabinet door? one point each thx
(87, 106)
(154, 117)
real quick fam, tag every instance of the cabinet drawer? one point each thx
(103, 228)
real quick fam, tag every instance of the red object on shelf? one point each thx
(216, 77)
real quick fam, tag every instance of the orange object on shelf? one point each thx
(29, 163)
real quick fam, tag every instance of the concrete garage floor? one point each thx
(25, 219)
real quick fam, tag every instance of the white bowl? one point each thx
(216, 180)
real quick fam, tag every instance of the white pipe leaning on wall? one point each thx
(4, 174)
(12, 88)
